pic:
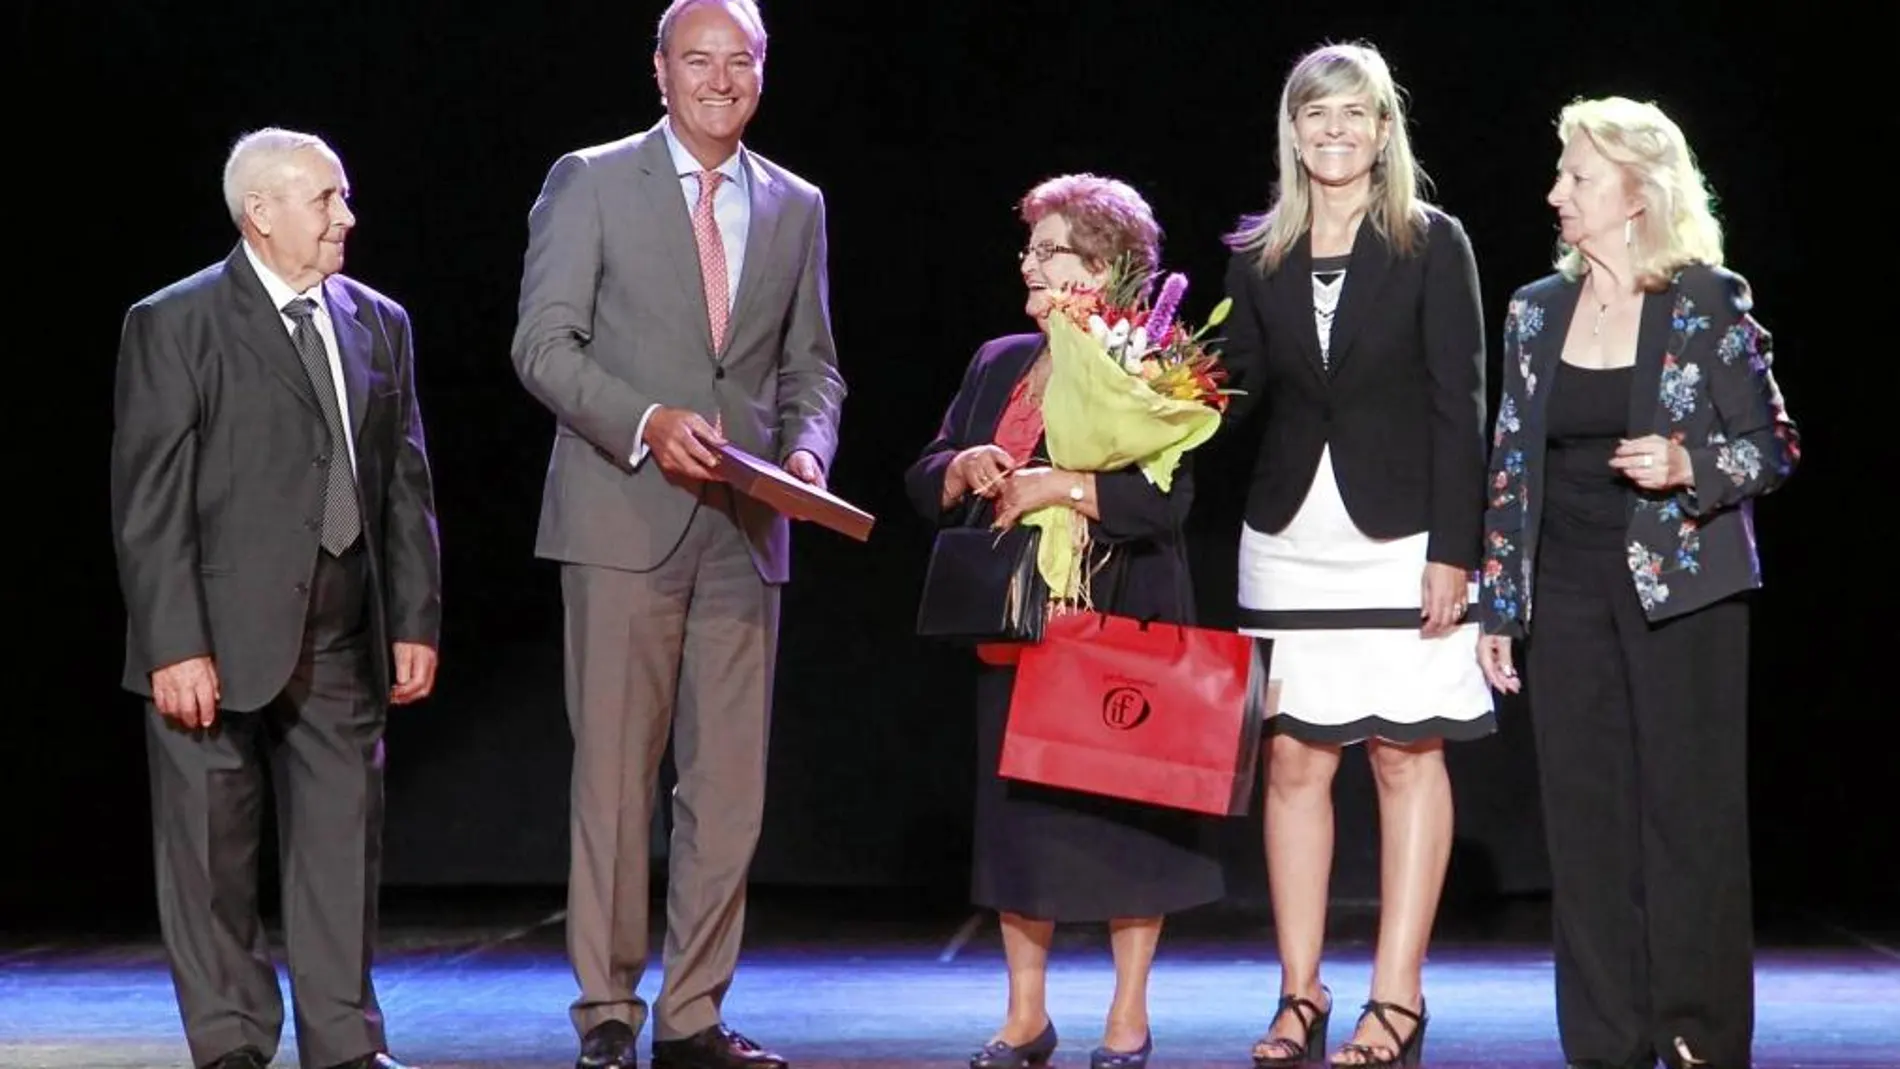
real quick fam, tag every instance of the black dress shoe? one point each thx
(241, 1058)
(717, 1047)
(608, 1045)
(375, 1059)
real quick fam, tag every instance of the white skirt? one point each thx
(1342, 610)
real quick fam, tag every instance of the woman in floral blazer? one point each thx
(1638, 422)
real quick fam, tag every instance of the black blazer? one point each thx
(1402, 404)
(1140, 529)
(1703, 379)
(218, 470)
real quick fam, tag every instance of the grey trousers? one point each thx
(686, 649)
(321, 744)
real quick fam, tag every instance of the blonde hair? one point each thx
(1396, 206)
(1106, 218)
(1676, 226)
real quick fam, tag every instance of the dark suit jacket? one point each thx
(1402, 404)
(1140, 528)
(219, 456)
(1703, 379)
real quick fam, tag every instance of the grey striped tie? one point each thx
(342, 520)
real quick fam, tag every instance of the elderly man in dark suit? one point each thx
(277, 552)
(673, 298)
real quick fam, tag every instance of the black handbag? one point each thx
(982, 586)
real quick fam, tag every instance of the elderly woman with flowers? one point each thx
(1043, 855)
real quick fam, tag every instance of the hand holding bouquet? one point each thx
(1128, 385)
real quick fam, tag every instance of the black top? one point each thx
(1587, 504)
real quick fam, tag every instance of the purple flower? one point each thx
(1166, 302)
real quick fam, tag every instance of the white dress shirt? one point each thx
(281, 294)
(732, 212)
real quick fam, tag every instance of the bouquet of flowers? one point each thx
(1129, 384)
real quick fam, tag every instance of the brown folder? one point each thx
(764, 481)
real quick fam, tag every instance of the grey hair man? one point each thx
(274, 522)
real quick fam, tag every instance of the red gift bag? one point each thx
(1150, 712)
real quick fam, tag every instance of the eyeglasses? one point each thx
(1044, 251)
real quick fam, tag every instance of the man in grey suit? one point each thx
(673, 298)
(275, 528)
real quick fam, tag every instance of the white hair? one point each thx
(253, 159)
(746, 8)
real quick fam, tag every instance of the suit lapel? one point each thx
(260, 329)
(673, 222)
(1371, 260)
(767, 199)
(1293, 283)
(1546, 349)
(1652, 341)
(353, 350)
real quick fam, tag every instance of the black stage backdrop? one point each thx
(923, 123)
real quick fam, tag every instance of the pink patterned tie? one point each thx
(712, 256)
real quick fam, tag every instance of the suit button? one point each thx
(302, 588)
(719, 373)
(319, 462)
(312, 525)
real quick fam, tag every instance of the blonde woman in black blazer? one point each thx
(1357, 336)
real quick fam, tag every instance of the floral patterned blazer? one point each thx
(1703, 381)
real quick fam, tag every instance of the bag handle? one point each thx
(1181, 582)
(969, 512)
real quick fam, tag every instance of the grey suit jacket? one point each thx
(613, 319)
(219, 460)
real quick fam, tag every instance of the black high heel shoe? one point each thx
(1106, 1058)
(1406, 1052)
(997, 1054)
(1313, 1021)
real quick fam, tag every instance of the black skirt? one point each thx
(1062, 855)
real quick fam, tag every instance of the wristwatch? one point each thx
(1076, 493)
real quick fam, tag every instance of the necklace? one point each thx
(1596, 328)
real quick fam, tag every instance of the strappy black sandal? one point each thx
(1294, 1052)
(1406, 1052)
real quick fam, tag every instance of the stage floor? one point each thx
(835, 986)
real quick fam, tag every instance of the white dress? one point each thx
(1342, 610)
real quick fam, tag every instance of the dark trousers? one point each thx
(321, 744)
(1641, 740)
